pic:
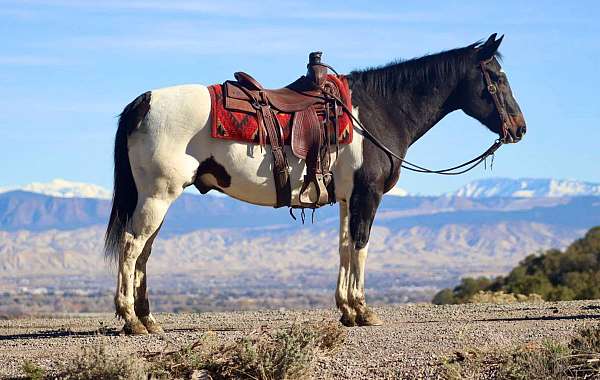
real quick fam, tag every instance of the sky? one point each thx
(67, 69)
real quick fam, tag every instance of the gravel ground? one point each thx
(409, 345)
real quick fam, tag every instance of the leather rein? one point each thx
(492, 88)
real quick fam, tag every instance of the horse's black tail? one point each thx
(124, 192)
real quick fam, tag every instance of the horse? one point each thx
(163, 145)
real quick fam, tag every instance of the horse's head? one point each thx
(487, 95)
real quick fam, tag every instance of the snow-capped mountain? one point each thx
(398, 192)
(63, 189)
(484, 188)
(527, 188)
(69, 189)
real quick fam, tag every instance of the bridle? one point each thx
(504, 135)
(492, 88)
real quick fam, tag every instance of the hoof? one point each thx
(368, 318)
(135, 328)
(151, 325)
(347, 321)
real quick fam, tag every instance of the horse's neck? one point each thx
(402, 118)
(421, 111)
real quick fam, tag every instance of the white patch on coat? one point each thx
(350, 160)
(345, 251)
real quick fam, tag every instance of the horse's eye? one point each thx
(498, 77)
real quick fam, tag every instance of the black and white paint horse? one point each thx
(163, 145)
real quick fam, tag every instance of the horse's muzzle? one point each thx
(517, 129)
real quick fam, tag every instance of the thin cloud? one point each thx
(306, 10)
(30, 60)
(245, 9)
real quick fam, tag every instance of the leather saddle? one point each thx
(315, 114)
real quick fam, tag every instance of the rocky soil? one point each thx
(411, 344)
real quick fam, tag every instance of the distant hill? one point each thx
(21, 210)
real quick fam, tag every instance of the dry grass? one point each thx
(92, 364)
(288, 353)
(97, 363)
(501, 297)
(33, 371)
(263, 355)
(579, 359)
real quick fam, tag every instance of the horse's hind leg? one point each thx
(141, 303)
(146, 220)
(159, 180)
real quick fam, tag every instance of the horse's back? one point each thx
(184, 109)
(158, 146)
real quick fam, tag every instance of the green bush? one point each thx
(555, 275)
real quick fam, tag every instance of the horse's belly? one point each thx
(251, 174)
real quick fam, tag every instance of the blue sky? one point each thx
(67, 68)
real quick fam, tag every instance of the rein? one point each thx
(492, 89)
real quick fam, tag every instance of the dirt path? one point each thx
(409, 345)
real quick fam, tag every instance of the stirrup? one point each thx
(322, 193)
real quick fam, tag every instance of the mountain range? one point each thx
(484, 228)
(490, 187)
(63, 188)
(527, 188)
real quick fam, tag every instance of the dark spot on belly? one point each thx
(212, 167)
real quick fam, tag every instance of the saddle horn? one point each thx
(317, 72)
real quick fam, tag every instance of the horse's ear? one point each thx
(489, 48)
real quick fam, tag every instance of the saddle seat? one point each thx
(314, 113)
(296, 96)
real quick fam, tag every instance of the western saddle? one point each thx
(313, 102)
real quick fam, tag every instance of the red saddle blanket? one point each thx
(243, 127)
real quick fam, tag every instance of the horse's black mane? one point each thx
(433, 69)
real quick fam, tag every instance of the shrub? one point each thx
(503, 298)
(579, 359)
(96, 363)
(554, 275)
(263, 355)
(33, 371)
(444, 297)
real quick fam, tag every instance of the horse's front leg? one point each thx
(363, 206)
(345, 247)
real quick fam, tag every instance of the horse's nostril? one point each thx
(521, 131)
